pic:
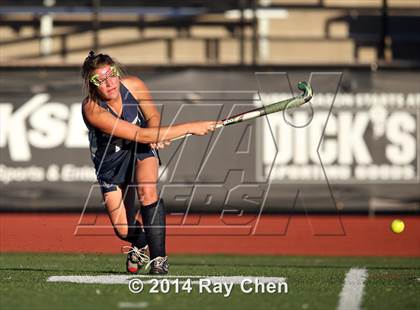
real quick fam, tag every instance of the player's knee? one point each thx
(148, 195)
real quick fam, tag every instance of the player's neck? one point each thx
(115, 104)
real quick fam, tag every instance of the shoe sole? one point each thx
(158, 273)
(132, 270)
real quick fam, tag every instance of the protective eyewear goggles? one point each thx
(95, 80)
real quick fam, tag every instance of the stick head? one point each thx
(307, 89)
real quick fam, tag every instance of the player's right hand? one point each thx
(202, 128)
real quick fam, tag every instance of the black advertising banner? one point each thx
(355, 144)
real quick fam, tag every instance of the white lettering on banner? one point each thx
(77, 132)
(328, 148)
(369, 136)
(71, 173)
(21, 174)
(50, 125)
(293, 142)
(413, 101)
(351, 100)
(14, 127)
(309, 172)
(403, 149)
(5, 112)
(342, 173)
(300, 147)
(385, 172)
(368, 139)
(49, 128)
(283, 138)
(52, 173)
(352, 143)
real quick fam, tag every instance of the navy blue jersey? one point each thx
(114, 158)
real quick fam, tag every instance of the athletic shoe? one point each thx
(136, 258)
(159, 265)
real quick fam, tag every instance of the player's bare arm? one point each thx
(103, 120)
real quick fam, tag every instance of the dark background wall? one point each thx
(365, 123)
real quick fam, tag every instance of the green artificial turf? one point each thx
(312, 282)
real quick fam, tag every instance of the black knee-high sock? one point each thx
(139, 236)
(154, 223)
(136, 235)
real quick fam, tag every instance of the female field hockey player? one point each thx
(124, 134)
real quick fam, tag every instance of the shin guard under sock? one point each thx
(154, 223)
(139, 237)
(136, 235)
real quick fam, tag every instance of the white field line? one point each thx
(352, 293)
(124, 279)
(133, 305)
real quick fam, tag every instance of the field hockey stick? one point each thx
(268, 109)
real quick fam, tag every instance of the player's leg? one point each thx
(132, 213)
(138, 252)
(120, 204)
(153, 212)
(146, 179)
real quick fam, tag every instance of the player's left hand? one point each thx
(160, 145)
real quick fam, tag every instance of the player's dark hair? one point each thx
(92, 62)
